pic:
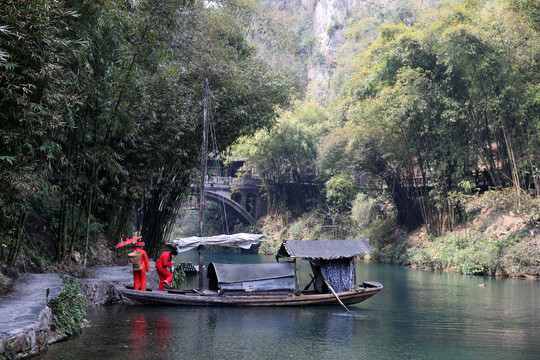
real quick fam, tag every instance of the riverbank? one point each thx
(28, 324)
(499, 235)
(25, 317)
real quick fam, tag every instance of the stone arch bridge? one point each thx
(241, 197)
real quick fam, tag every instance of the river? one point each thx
(418, 315)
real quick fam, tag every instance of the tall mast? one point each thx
(200, 248)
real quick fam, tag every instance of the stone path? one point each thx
(22, 307)
(25, 318)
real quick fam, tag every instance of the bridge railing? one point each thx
(229, 180)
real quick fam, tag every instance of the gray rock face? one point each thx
(325, 19)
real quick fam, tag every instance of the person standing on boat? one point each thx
(164, 262)
(141, 265)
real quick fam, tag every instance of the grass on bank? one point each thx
(498, 237)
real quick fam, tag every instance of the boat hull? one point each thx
(214, 299)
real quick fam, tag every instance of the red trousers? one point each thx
(164, 276)
(139, 279)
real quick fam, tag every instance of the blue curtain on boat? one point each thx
(339, 273)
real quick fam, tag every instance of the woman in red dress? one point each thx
(164, 262)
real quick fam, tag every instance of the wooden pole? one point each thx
(335, 294)
(353, 269)
(296, 280)
(200, 248)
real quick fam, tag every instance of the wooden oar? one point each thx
(335, 294)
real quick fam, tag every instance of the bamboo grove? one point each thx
(101, 110)
(444, 105)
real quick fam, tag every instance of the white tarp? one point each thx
(242, 240)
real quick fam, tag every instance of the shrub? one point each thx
(179, 277)
(69, 307)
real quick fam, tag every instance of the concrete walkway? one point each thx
(22, 307)
(26, 320)
(25, 317)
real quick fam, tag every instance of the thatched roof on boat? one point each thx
(324, 249)
(251, 277)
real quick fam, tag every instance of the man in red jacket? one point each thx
(164, 262)
(140, 267)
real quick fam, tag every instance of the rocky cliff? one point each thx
(324, 21)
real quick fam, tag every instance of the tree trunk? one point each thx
(16, 248)
(89, 212)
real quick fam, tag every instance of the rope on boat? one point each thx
(213, 138)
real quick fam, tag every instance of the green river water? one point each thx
(418, 315)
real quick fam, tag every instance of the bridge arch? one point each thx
(242, 213)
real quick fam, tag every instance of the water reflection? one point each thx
(149, 338)
(164, 334)
(139, 337)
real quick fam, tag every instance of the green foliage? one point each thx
(285, 156)
(69, 308)
(340, 191)
(307, 227)
(434, 99)
(307, 41)
(9, 350)
(380, 232)
(477, 254)
(179, 277)
(101, 108)
(35, 43)
(269, 247)
(521, 258)
(503, 201)
(530, 8)
(366, 210)
(331, 158)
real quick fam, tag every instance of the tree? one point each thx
(35, 47)
(285, 157)
(102, 109)
(430, 104)
(244, 92)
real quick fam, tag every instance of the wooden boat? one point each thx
(273, 284)
(332, 262)
(213, 298)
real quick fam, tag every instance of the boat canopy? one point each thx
(251, 277)
(242, 240)
(324, 249)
